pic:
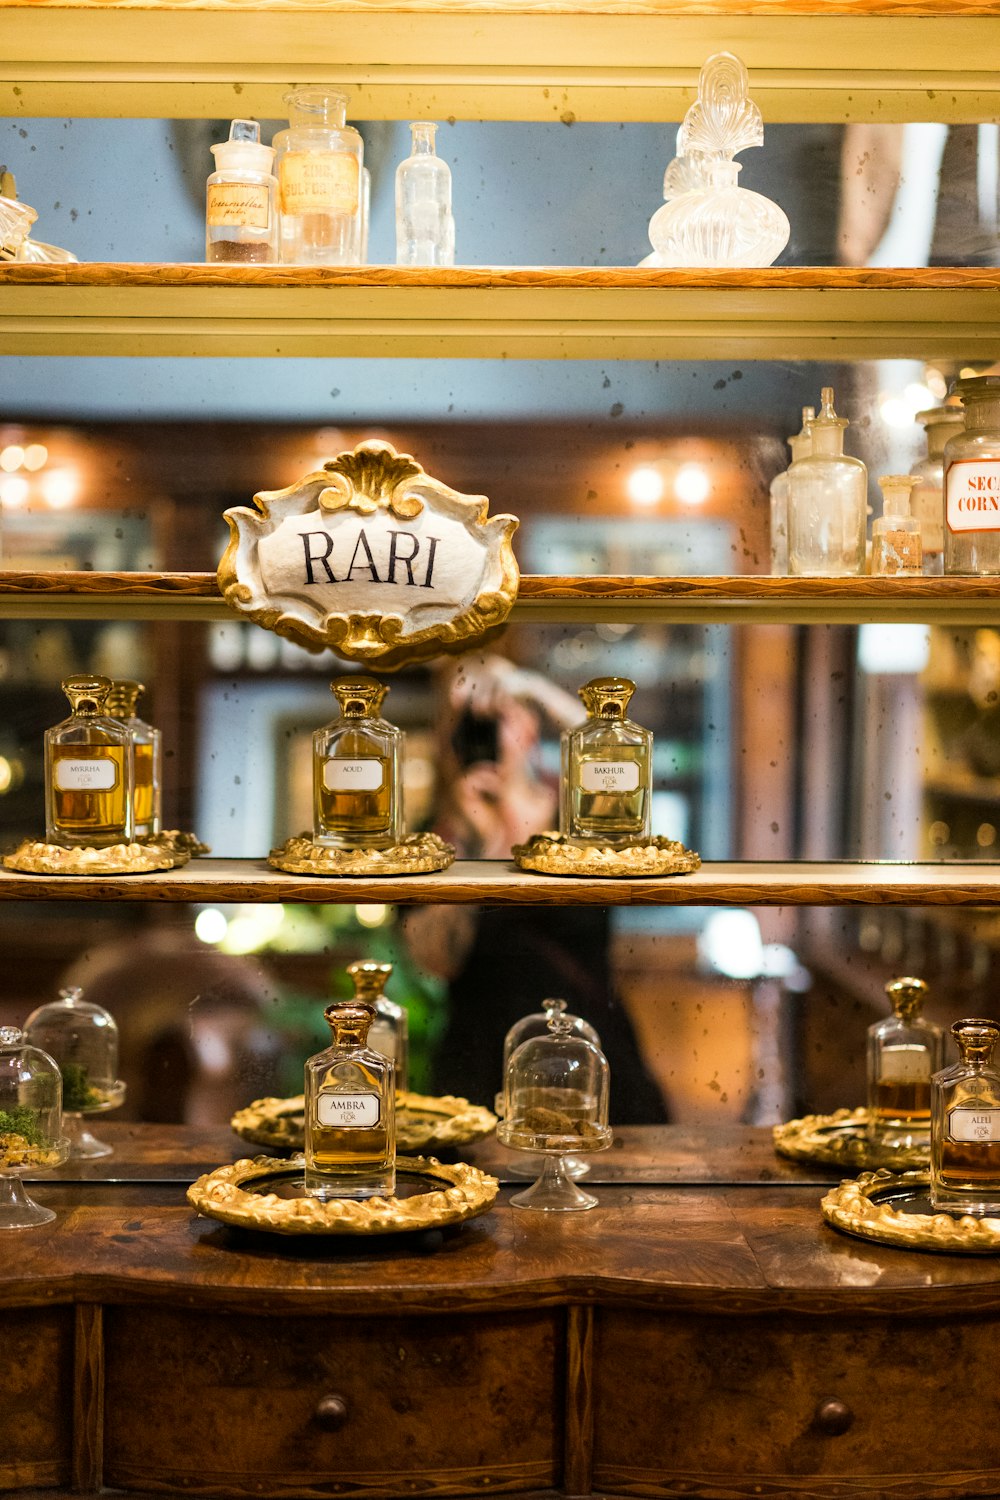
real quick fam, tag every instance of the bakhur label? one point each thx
(348, 1111)
(243, 205)
(973, 490)
(352, 775)
(85, 775)
(974, 1124)
(609, 776)
(314, 182)
(905, 1064)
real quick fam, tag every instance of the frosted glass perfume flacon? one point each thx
(389, 1032)
(241, 200)
(800, 443)
(425, 229)
(896, 543)
(318, 162)
(827, 502)
(708, 219)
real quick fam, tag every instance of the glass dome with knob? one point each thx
(532, 1025)
(82, 1038)
(31, 1138)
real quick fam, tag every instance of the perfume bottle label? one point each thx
(97, 775)
(348, 1111)
(244, 205)
(609, 775)
(972, 486)
(974, 1124)
(352, 775)
(901, 550)
(905, 1063)
(319, 182)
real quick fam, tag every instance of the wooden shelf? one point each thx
(495, 883)
(790, 313)
(548, 60)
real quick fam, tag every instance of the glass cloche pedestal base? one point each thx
(83, 1145)
(555, 1191)
(17, 1209)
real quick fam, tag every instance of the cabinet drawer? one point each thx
(36, 1397)
(215, 1404)
(719, 1406)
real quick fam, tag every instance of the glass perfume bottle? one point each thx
(350, 1111)
(606, 768)
(972, 482)
(903, 1053)
(147, 757)
(927, 502)
(827, 502)
(896, 534)
(88, 771)
(800, 444)
(241, 202)
(357, 802)
(318, 161)
(389, 1032)
(425, 229)
(965, 1125)
(31, 1138)
(83, 1039)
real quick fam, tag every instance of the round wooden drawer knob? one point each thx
(330, 1413)
(833, 1417)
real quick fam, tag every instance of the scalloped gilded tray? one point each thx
(840, 1140)
(554, 854)
(423, 1122)
(35, 857)
(894, 1209)
(418, 854)
(236, 1195)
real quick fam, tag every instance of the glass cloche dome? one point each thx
(31, 1136)
(83, 1040)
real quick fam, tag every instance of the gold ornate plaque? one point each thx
(424, 1122)
(35, 857)
(841, 1140)
(372, 558)
(554, 854)
(418, 854)
(894, 1209)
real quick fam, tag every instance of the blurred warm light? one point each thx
(730, 943)
(210, 925)
(893, 648)
(919, 396)
(936, 383)
(14, 490)
(692, 484)
(895, 412)
(371, 916)
(253, 926)
(900, 410)
(986, 835)
(967, 373)
(6, 775)
(36, 456)
(60, 487)
(645, 485)
(11, 458)
(940, 833)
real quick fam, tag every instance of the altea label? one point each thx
(85, 775)
(905, 1064)
(243, 205)
(319, 182)
(352, 775)
(972, 487)
(349, 1111)
(974, 1124)
(609, 776)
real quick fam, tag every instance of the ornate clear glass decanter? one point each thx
(965, 1125)
(318, 161)
(357, 803)
(800, 444)
(425, 229)
(88, 771)
(350, 1112)
(606, 768)
(972, 482)
(147, 757)
(389, 1032)
(896, 542)
(927, 503)
(903, 1052)
(827, 502)
(707, 219)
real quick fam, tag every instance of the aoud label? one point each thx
(349, 1111)
(86, 775)
(974, 1124)
(609, 776)
(340, 775)
(972, 488)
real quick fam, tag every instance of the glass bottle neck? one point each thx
(422, 140)
(827, 441)
(317, 108)
(983, 413)
(938, 434)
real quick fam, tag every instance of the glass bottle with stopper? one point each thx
(896, 535)
(606, 769)
(31, 1138)
(555, 1102)
(537, 1024)
(425, 229)
(88, 771)
(827, 502)
(965, 1125)
(350, 1111)
(972, 482)
(318, 161)
(927, 502)
(389, 1031)
(904, 1051)
(357, 801)
(241, 202)
(800, 444)
(83, 1040)
(147, 757)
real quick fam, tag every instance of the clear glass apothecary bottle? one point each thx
(606, 768)
(965, 1125)
(88, 771)
(896, 536)
(241, 200)
(389, 1033)
(904, 1052)
(318, 161)
(827, 502)
(425, 229)
(350, 1111)
(972, 482)
(147, 757)
(800, 443)
(357, 801)
(927, 503)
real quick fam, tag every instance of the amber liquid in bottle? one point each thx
(142, 789)
(350, 1111)
(907, 1102)
(965, 1125)
(347, 812)
(611, 794)
(94, 809)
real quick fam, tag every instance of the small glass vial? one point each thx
(927, 502)
(972, 482)
(965, 1125)
(31, 1138)
(896, 536)
(389, 1032)
(606, 769)
(827, 502)
(357, 801)
(800, 444)
(425, 229)
(83, 1039)
(350, 1112)
(88, 771)
(319, 162)
(147, 758)
(241, 200)
(903, 1052)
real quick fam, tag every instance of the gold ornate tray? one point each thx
(840, 1140)
(35, 857)
(266, 1193)
(553, 854)
(424, 1122)
(188, 844)
(894, 1209)
(418, 854)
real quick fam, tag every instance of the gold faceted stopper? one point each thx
(359, 697)
(607, 697)
(976, 1038)
(123, 697)
(906, 996)
(87, 695)
(370, 979)
(349, 1021)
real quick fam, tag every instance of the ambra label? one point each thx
(86, 775)
(974, 1124)
(319, 182)
(904, 1064)
(352, 775)
(609, 776)
(348, 1111)
(972, 487)
(244, 205)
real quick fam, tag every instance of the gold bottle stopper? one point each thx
(607, 697)
(906, 996)
(349, 1021)
(359, 697)
(87, 695)
(976, 1037)
(123, 697)
(370, 979)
